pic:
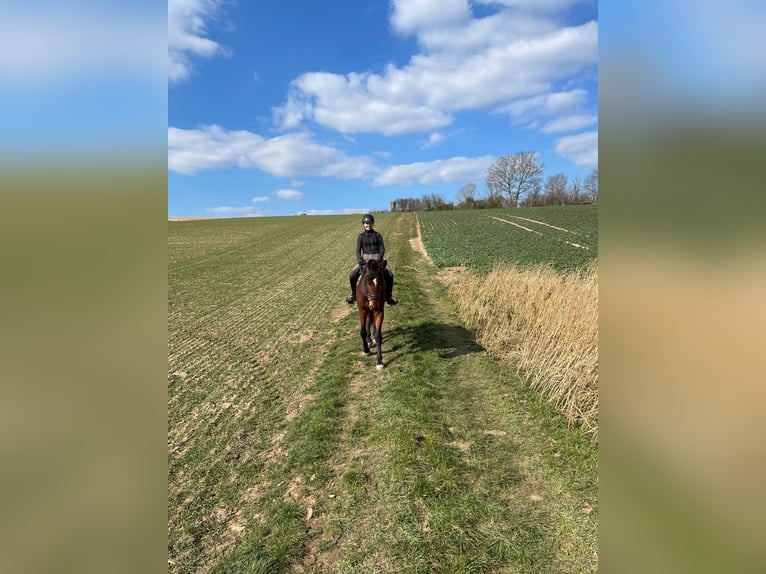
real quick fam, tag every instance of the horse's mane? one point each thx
(372, 269)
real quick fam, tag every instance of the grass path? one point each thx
(443, 462)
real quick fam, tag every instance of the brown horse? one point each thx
(371, 299)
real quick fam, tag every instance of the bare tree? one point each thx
(515, 175)
(574, 190)
(591, 185)
(408, 204)
(433, 202)
(493, 200)
(534, 196)
(465, 196)
(556, 189)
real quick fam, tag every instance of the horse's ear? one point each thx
(383, 265)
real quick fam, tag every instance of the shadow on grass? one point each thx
(447, 340)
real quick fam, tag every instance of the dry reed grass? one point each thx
(544, 323)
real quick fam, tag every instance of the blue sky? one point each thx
(278, 107)
(425, 93)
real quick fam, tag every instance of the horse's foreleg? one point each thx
(379, 340)
(370, 329)
(363, 332)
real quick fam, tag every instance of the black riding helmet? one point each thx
(368, 217)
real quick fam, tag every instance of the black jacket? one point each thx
(369, 242)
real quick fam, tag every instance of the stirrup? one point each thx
(350, 299)
(392, 301)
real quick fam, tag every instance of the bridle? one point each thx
(371, 297)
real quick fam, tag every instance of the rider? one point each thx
(370, 243)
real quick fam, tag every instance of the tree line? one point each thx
(514, 180)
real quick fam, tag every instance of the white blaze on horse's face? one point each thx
(372, 300)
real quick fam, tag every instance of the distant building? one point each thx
(392, 206)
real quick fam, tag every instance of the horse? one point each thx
(371, 300)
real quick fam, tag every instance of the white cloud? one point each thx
(291, 155)
(289, 194)
(347, 104)
(261, 199)
(546, 104)
(466, 64)
(410, 16)
(453, 170)
(569, 123)
(581, 149)
(567, 109)
(434, 140)
(212, 147)
(187, 35)
(478, 35)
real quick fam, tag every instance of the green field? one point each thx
(289, 452)
(564, 236)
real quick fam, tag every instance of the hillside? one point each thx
(288, 452)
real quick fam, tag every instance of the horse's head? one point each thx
(374, 283)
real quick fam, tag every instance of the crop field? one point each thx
(564, 236)
(289, 452)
